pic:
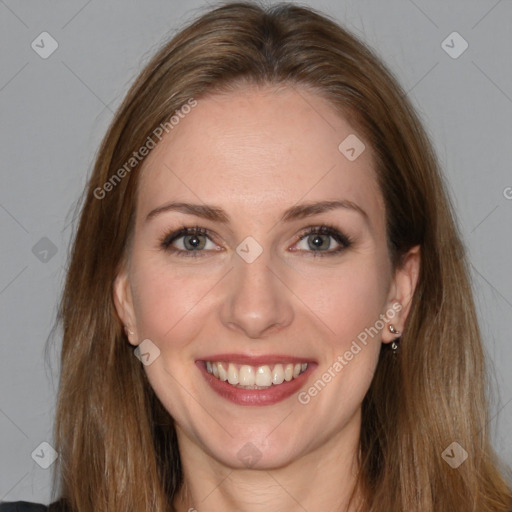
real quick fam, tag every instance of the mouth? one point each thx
(255, 377)
(260, 383)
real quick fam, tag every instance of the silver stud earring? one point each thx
(393, 330)
(129, 331)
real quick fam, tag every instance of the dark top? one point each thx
(26, 506)
(22, 506)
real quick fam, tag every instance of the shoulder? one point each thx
(22, 506)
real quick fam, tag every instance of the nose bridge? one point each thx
(256, 299)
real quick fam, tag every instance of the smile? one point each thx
(255, 377)
(261, 383)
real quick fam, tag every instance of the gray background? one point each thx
(55, 111)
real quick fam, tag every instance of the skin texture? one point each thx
(256, 152)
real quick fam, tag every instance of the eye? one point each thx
(318, 241)
(190, 241)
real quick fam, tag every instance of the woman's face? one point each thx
(253, 290)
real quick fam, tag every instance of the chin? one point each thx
(248, 455)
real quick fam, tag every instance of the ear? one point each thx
(123, 302)
(401, 293)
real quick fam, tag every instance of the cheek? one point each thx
(347, 301)
(349, 306)
(168, 302)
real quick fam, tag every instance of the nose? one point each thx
(258, 302)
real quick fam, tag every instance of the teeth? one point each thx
(223, 374)
(246, 376)
(278, 374)
(232, 374)
(263, 376)
(252, 377)
(288, 372)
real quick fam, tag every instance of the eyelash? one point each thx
(168, 238)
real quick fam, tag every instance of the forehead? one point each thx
(257, 151)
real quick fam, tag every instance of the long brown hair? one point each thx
(117, 444)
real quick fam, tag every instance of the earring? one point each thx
(129, 331)
(394, 343)
(393, 330)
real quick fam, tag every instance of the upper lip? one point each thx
(256, 360)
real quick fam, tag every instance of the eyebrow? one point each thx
(217, 214)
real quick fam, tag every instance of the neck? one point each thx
(322, 479)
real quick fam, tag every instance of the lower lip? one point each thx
(269, 396)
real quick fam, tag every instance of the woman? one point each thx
(266, 229)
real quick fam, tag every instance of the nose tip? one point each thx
(257, 303)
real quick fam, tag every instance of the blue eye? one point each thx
(194, 241)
